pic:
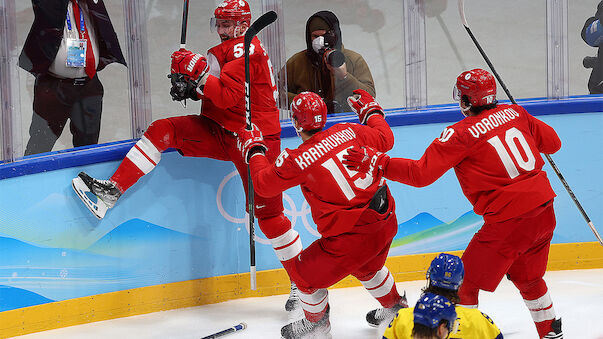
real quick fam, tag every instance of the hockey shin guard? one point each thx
(314, 303)
(145, 155)
(469, 295)
(382, 287)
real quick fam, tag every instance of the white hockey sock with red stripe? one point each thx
(140, 160)
(144, 155)
(314, 304)
(287, 246)
(541, 309)
(382, 287)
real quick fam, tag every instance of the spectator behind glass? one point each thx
(69, 41)
(592, 34)
(325, 67)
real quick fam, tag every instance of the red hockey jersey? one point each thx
(224, 96)
(337, 196)
(496, 158)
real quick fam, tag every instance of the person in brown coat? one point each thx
(325, 67)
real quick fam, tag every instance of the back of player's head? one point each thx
(235, 10)
(309, 110)
(477, 87)
(446, 271)
(432, 310)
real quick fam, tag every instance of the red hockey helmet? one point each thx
(236, 10)
(309, 110)
(478, 85)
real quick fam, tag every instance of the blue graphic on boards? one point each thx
(186, 220)
(138, 253)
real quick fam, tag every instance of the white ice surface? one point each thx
(577, 298)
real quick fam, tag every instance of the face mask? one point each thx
(318, 44)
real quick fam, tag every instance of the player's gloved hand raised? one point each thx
(366, 160)
(364, 105)
(189, 72)
(251, 142)
(194, 66)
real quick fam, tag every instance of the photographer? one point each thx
(592, 34)
(325, 67)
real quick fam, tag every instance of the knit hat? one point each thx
(318, 23)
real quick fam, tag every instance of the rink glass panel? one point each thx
(372, 29)
(512, 33)
(115, 121)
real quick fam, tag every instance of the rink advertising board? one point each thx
(179, 237)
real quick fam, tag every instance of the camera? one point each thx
(589, 62)
(324, 45)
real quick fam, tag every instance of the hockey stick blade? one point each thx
(258, 25)
(235, 328)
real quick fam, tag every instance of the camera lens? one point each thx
(336, 58)
(589, 62)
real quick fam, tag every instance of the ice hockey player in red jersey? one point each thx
(495, 152)
(353, 212)
(218, 81)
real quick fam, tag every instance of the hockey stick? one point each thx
(235, 328)
(179, 83)
(548, 157)
(184, 24)
(263, 21)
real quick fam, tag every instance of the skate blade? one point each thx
(98, 208)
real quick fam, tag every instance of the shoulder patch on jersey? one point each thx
(446, 134)
(281, 158)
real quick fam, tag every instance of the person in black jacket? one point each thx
(68, 43)
(592, 34)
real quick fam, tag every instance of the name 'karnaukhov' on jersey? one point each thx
(492, 121)
(319, 149)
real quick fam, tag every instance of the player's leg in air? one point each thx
(100, 195)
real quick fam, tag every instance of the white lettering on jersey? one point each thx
(281, 158)
(317, 151)
(446, 134)
(239, 50)
(492, 121)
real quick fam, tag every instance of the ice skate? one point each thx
(97, 195)
(306, 329)
(555, 332)
(375, 317)
(293, 301)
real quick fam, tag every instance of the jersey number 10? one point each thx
(511, 136)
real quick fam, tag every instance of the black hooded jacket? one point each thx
(307, 72)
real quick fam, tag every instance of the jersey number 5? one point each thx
(512, 136)
(342, 181)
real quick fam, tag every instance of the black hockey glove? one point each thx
(182, 87)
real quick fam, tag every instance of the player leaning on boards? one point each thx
(354, 212)
(218, 82)
(495, 152)
(444, 278)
